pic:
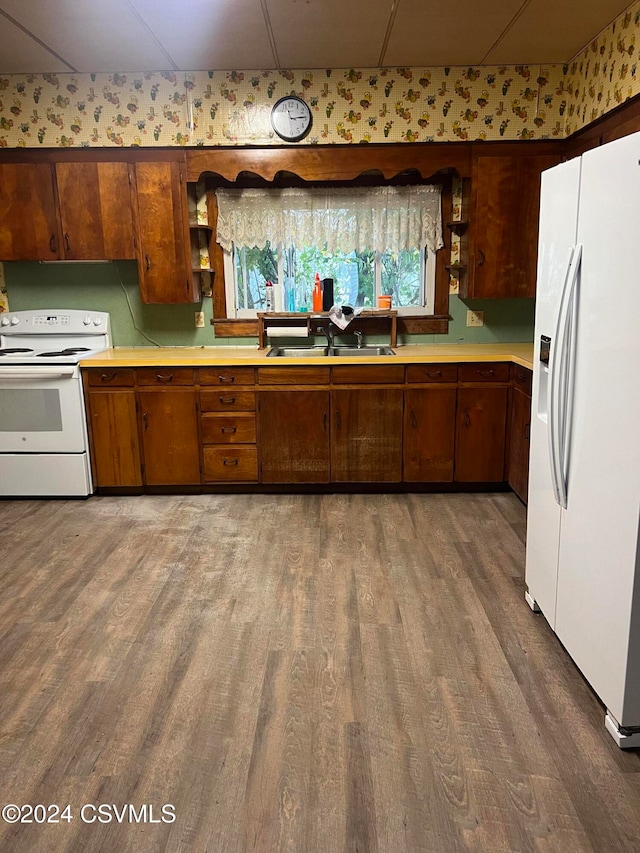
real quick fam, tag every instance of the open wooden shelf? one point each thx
(297, 319)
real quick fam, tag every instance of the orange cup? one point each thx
(384, 302)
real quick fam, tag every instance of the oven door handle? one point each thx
(30, 373)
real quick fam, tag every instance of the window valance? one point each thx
(346, 219)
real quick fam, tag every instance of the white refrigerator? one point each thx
(583, 555)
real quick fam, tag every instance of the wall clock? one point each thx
(291, 118)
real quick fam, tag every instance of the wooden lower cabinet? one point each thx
(481, 425)
(519, 434)
(428, 435)
(115, 451)
(366, 435)
(294, 436)
(169, 433)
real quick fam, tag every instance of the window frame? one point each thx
(427, 268)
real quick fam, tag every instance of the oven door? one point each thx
(41, 410)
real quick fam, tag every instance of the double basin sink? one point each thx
(324, 352)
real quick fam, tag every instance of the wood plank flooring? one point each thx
(307, 673)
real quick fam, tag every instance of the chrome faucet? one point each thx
(359, 337)
(328, 333)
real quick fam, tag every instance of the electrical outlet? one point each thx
(475, 318)
(199, 319)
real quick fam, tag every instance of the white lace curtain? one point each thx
(346, 219)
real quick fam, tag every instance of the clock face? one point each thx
(291, 118)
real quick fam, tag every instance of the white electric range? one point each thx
(44, 448)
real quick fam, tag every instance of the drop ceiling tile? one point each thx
(329, 33)
(22, 55)
(205, 35)
(446, 33)
(91, 35)
(550, 31)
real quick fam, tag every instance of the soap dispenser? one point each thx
(317, 295)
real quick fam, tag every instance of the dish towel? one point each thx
(338, 318)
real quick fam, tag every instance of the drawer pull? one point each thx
(527, 432)
(467, 418)
(433, 372)
(145, 420)
(52, 244)
(230, 461)
(226, 379)
(164, 378)
(486, 372)
(227, 401)
(108, 377)
(480, 258)
(67, 242)
(147, 262)
(228, 429)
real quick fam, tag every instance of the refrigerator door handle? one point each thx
(561, 379)
(568, 370)
(555, 426)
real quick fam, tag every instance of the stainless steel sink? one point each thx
(362, 351)
(297, 352)
(323, 352)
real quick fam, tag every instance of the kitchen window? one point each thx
(369, 240)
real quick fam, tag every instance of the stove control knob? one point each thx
(14, 321)
(4, 321)
(87, 321)
(97, 321)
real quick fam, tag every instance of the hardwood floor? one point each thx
(310, 673)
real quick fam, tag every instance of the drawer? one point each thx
(344, 374)
(293, 376)
(522, 377)
(226, 376)
(230, 464)
(227, 400)
(432, 373)
(164, 376)
(485, 371)
(111, 376)
(228, 429)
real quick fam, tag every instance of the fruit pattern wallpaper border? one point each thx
(348, 105)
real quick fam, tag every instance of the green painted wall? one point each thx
(114, 288)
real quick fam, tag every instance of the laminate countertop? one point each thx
(521, 354)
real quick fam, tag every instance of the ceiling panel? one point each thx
(446, 33)
(552, 31)
(329, 33)
(22, 55)
(91, 35)
(201, 35)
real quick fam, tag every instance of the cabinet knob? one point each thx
(52, 244)
(148, 262)
(467, 418)
(67, 242)
(412, 418)
(480, 257)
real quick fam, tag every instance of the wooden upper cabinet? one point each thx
(28, 223)
(164, 263)
(503, 231)
(95, 211)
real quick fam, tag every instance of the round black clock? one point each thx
(291, 118)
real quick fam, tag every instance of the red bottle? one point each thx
(317, 295)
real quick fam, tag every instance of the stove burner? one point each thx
(68, 351)
(10, 351)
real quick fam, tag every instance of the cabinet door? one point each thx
(28, 223)
(115, 452)
(366, 435)
(503, 236)
(519, 435)
(95, 210)
(169, 430)
(164, 263)
(293, 430)
(429, 432)
(481, 422)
